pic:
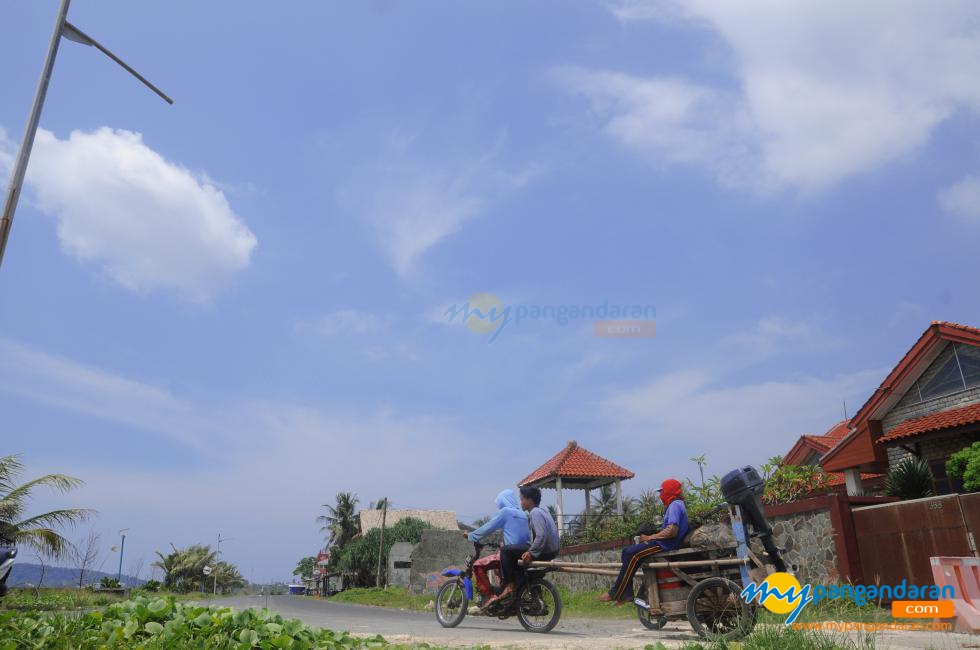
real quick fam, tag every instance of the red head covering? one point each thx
(670, 490)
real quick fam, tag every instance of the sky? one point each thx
(223, 312)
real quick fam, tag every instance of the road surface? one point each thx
(592, 634)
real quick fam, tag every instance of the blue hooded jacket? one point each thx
(510, 517)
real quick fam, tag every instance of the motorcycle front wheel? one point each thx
(451, 603)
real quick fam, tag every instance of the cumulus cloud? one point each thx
(146, 222)
(822, 91)
(962, 199)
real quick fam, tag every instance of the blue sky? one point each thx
(221, 313)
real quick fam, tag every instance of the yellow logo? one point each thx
(781, 583)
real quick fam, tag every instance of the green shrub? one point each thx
(152, 586)
(109, 583)
(965, 465)
(359, 559)
(910, 479)
(788, 483)
(161, 623)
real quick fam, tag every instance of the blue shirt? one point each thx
(510, 518)
(676, 515)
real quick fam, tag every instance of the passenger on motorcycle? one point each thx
(512, 521)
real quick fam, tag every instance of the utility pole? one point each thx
(122, 549)
(381, 546)
(61, 28)
(217, 550)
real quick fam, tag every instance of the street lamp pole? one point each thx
(122, 549)
(61, 28)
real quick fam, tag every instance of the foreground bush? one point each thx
(157, 623)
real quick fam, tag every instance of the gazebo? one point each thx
(577, 468)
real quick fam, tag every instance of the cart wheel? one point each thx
(650, 621)
(716, 610)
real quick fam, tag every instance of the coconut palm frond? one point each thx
(55, 518)
(45, 541)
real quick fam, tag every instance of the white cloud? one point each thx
(824, 91)
(146, 222)
(962, 199)
(413, 205)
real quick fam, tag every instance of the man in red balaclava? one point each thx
(674, 529)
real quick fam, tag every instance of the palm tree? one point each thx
(340, 523)
(183, 568)
(39, 532)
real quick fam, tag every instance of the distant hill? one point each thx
(24, 574)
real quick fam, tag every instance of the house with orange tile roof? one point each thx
(809, 449)
(927, 406)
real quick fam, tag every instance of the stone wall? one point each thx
(808, 545)
(437, 551)
(601, 552)
(803, 531)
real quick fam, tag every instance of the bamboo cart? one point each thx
(703, 585)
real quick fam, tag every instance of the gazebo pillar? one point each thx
(619, 497)
(588, 504)
(561, 510)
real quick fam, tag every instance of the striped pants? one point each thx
(622, 589)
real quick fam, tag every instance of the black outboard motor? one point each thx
(742, 487)
(7, 555)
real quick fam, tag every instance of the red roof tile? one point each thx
(577, 462)
(936, 422)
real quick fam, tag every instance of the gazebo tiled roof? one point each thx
(574, 462)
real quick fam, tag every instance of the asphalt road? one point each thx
(402, 626)
(592, 634)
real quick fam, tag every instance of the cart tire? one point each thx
(532, 606)
(716, 610)
(650, 621)
(451, 595)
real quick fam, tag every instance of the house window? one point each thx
(969, 357)
(813, 458)
(956, 368)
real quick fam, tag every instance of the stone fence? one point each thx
(816, 537)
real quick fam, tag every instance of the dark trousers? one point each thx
(510, 570)
(622, 589)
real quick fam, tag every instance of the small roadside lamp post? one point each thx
(61, 28)
(122, 549)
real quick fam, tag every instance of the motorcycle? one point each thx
(7, 555)
(537, 603)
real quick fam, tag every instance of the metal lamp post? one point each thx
(61, 28)
(122, 549)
